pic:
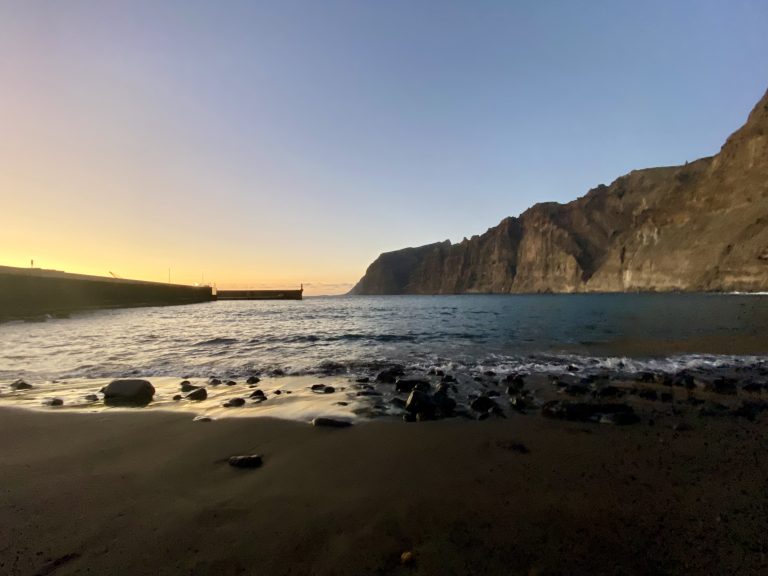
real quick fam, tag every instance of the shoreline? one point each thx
(151, 492)
(411, 393)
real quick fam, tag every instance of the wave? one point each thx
(215, 341)
(459, 365)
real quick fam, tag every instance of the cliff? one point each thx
(698, 227)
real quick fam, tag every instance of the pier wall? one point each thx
(26, 292)
(259, 294)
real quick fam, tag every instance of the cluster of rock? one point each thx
(432, 401)
(608, 398)
(575, 394)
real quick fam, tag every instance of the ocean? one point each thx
(349, 338)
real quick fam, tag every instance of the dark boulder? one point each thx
(420, 403)
(483, 404)
(246, 461)
(197, 394)
(214, 381)
(518, 403)
(258, 395)
(177, 397)
(515, 382)
(683, 380)
(187, 386)
(322, 389)
(53, 402)
(234, 403)
(230, 382)
(21, 385)
(390, 375)
(128, 391)
(444, 404)
(398, 403)
(253, 380)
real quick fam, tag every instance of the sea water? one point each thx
(354, 337)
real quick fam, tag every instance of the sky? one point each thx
(266, 144)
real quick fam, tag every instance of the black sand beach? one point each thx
(152, 493)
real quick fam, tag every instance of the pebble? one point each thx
(53, 402)
(483, 404)
(324, 422)
(323, 389)
(246, 461)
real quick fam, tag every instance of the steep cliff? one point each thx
(698, 227)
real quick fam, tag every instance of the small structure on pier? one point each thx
(261, 294)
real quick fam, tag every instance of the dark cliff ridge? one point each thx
(698, 227)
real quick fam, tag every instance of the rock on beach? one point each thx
(128, 391)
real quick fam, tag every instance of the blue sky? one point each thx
(273, 142)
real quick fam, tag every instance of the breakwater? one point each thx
(26, 292)
(260, 294)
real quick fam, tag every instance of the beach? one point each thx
(138, 492)
(483, 435)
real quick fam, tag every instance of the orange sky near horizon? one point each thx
(269, 144)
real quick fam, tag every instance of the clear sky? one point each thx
(270, 143)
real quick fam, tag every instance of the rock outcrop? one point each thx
(698, 227)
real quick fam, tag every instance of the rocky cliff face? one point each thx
(698, 227)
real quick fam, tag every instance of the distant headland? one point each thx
(698, 227)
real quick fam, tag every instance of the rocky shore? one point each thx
(414, 394)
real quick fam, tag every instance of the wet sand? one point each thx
(151, 493)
